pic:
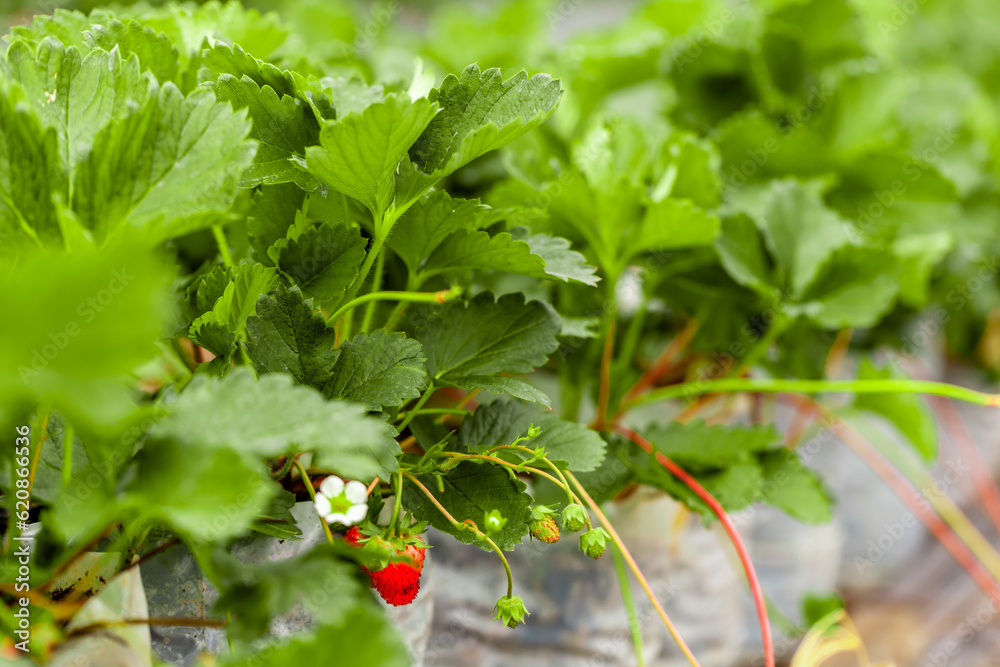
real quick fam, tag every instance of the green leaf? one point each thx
(470, 491)
(575, 446)
(560, 261)
(273, 416)
(742, 256)
(481, 112)
(429, 221)
(359, 153)
(211, 287)
(31, 171)
(66, 26)
(698, 446)
(78, 96)
(85, 320)
(735, 488)
(260, 592)
(287, 335)
(212, 494)
(465, 250)
(817, 606)
(830, 30)
(857, 288)
(793, 488)
(215, 337)
(283, 125)
(801, 233)
(153, 49)
(365, 634)
(323, 260)
(47, 486)
(169, 167)
(673, 223)
(277, 520)
(501, 384)
(464, 341)
(239, 300)
(236, 62)
(908, 412)
(273, 211)
(378, 369)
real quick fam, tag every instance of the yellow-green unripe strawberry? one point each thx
(574, 517)
(544, 529)
(593, 542)
(510, 610)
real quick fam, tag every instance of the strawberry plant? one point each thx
(257, 260)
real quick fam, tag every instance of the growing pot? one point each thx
(175, 586)
(792, 559)
(575, 604)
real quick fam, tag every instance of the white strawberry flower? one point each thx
(342, 502)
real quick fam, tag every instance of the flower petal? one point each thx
(332, 486)
(356, 513)
(356, 492)
(337, 517)
(322, 504)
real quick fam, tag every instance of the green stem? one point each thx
(416, 408)
(347, 326)
(566, 487)
(220, 240)
(397, 504)
(760, 348)
(412, 285)
(435, 411)
(289, 460)
(442, 296)
(633, 616)
(229, 634)
(506, 565)
(794, 386)
(456, 456)
(312, 496)
(631, 340)
(370, 258)
(376, 284)
(640, 577)
(67, 466)
(466, 526)
(244, 359)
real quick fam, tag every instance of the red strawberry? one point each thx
(399, 582)
(354, 536)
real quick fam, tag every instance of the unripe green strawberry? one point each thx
(574, 517)
(510, 610)
(593, 542)
(544, 529)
